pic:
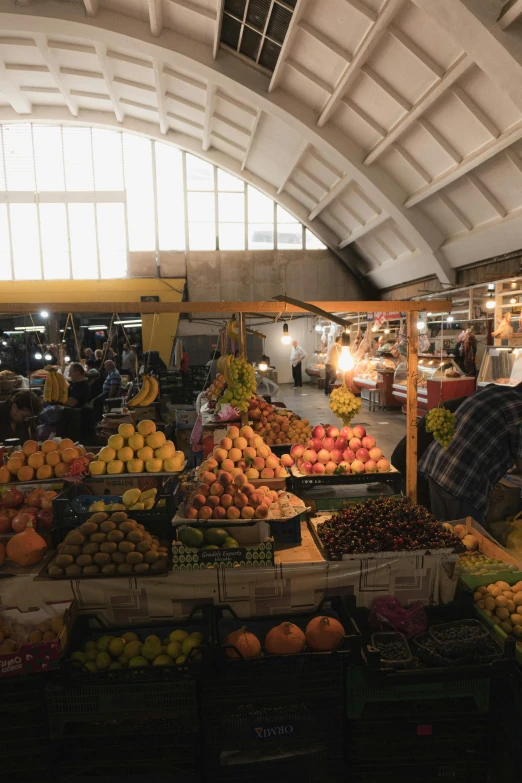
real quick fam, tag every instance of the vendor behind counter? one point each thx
(19, 416)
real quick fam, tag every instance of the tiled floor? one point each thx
(387, 427)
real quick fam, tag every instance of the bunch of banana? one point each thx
(221, 364)
(147, 394)
(228, 360)
(55, 388)
(233, 330)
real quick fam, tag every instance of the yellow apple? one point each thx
(172, 465)
(115, 442)
(107, 454)
(126, 430)
(125, 454)
(135, 466)
(115, 466)
(156, 440)
(97, 467)
(146, 427)
(164, 452)
(136, 441)
(154, 465)
(145, 453)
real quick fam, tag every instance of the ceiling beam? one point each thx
(467, 164)
(204, 13)
(101, 53)
(91, 7)
(155, 17)
(54, 69)
(209, 111)
(456, 212)
(475, 111)
(440, 139)
(453, 73)
(332, 194)
(362, 53)
(299, 152)
(390, 91)
(363, 9)
(487, 195)
(157, 69)
(510, 13)
(9, 88)
(217, 29)
(251, 139)
(310, 75)
(416, 51)
(299, 11)
(357, 233)
(363, 116)
(328, 44)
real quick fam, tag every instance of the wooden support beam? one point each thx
(411, 403)
(357, 306)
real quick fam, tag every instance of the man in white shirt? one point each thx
(331, 364)
(297, 355)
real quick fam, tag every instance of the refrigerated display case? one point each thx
(377, 372)
(315, 365)
(439, 380)
(500, 366)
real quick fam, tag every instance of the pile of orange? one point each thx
(49, 461)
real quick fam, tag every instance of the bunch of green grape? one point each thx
(344, 403)
(441, 422)
(244, 383)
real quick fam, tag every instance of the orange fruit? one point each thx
(36, 460)
(45, 472)
(5, 476)
(20, 456)
(14, 465)
(81, 451)
(48, 446)
(30, 447)
(25, 473)
(61, 469)
(66, 443)
(53, 458)
(69, 454)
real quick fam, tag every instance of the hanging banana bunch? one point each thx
(233, 330)
(55, 388)
(147, 394)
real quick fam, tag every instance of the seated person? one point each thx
(16, 414)
(111, 388)
(79, 391)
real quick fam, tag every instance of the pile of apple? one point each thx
(333, 451)
(277, 425)
(242, 451)
(221, 495)
(16, 510)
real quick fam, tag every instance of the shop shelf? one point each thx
(464, 694)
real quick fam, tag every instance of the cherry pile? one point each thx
(383, 525)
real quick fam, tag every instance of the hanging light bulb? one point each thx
(286, 339)
(318, 328)
(513, 284)
(490, 304)
(374, 328)
(48, 357)
(449, 319)
(67, 359)
(420, 325)
(44, 314)
(38, 355)
(4, 342)
(512, 300)
(345, 357)
(386, 331)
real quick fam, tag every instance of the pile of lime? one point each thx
(211, 538)
(128, 651)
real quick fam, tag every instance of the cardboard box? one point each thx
(185, 419)
(256, 548)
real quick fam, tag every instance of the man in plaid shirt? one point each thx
(487, 442)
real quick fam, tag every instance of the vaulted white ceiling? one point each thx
(390, 126)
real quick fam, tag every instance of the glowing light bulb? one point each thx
(490, 304)
(345, 359)
(67, 359)
(38, 355)
(286, 339)
(386, 331)
(449, 319)
(44, 314)
(318, 328)
(48, 357)
(263, 366)
(420, 324)
(512, 300)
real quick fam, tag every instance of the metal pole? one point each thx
(411, 405)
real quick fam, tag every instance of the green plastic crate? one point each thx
(360, 692)
(472, 582)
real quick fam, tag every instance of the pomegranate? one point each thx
(13, 498)
(44, 518)
(5, 524)
(34, 497)
(19, 523)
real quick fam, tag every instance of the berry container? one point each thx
(401, 660)
(446, 637)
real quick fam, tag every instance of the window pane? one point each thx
(284, 217)
(200, 207)
(231, 236)
(171, 205)
(18, 157)
(313, 242)
(260, 207)
(78, 158)
(82, 231)
(290, 237)
(5, 249)
(227, 181)
(202, 236)
(200, 174)
(55, 246)
(261, 236)
(26, 245)
(111, 240)
(48, 158)
(139, 187)
(108, 160)
(231, 207)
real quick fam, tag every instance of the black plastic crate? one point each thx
(300, 483)
(280, 678)
(286, 531)
(121, 698)
(461, 770)
(24, 729)
(313, 764)
(70, 512)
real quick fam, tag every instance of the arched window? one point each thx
(75, 201)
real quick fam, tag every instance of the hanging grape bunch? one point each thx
(441, 422)
(243, 384)
(344, 403)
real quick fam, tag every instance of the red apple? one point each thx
(318, 432)
(368, 442)
(328, 443)
(357, 466)
(383, 466)
(332, 432)
(323, 456)
(347, 432)
(336, 455)
(307, 468)
(345, 466)
(355, 444)
(375, 454)
(359, 432)
(318, 468)
(363, 455)
(370, 466)
(310, 455)
(297, 450)
(341, 443)
(330, 467)
(316, 444)
(348, 456)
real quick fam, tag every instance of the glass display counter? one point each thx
(377, 372)
(439, 379)
(315, 365)
(501, 366)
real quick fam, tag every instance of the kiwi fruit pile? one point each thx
(107, 546)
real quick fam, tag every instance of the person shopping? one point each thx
(297, 355)
(332, 362)
(486, 444)
(15, 416)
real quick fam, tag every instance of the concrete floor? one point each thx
(387, 427)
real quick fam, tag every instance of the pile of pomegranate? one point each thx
(17, 509)
(334, 451)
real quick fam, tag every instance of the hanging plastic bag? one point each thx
(387, 612)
